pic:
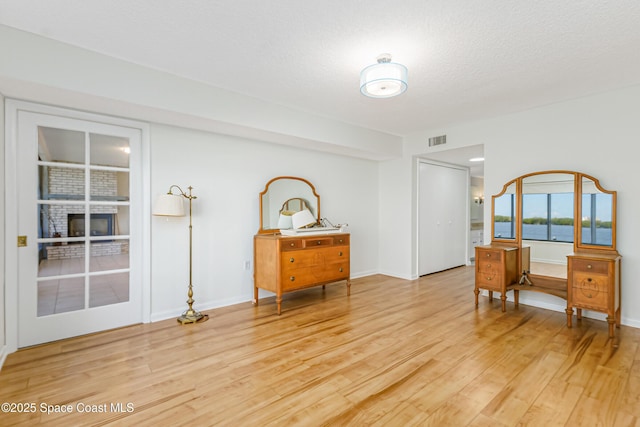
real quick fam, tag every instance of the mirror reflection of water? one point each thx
(559, 233)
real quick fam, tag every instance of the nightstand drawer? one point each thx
(488, 276)
(489, 255)
(590, 290)
(489, 283)
(591, 266)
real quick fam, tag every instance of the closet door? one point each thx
(442, 216)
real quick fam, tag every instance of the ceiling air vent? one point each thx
(437, 140)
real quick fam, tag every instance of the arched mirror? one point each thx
(282, 197)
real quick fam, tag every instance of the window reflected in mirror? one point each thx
(596, 215)
(504, 208)
(548, 217)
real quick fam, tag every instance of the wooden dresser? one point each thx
(594, 284)
(289, 263)
(497, 270)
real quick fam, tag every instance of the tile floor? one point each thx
(59, 295)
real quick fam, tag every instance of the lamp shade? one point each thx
(169, 205)
(384, 79)
(303, 218)
(285, 221)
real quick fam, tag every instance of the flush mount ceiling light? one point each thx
(384, 79)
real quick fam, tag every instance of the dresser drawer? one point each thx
(293, 278)
(591, 266)
(341, 240)
(314, 242)
(291, 244)
(320, 257)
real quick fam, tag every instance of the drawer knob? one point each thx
(291, 259)
(589, 266)
(589, 279)
(340, 253)
(488, 255)
(488, 278)
(292, 278)
(292, 244)
(340, 241)
(340, 270)
(319, 242)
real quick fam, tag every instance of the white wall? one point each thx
(396, 214)
(227, 174)
(3, 333)
(595, 135)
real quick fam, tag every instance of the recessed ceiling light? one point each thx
(477, 159)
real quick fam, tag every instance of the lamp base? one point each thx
(192, 316)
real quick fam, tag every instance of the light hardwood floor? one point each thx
(395, 353)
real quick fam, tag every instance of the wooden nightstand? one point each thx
(497, 270)
(594, 284)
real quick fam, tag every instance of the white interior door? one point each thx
(443, 217)
(79, 203)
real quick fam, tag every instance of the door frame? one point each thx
(12, 107)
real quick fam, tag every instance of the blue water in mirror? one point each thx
(559, 233)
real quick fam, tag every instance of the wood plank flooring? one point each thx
(394, 353)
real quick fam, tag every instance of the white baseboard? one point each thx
(397, 275)
(3, 355)
(360, 274)
(549, 302)
(207, 305)
(210, 305)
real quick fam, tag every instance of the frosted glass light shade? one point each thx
(169, 205)
(383, 80)
(303, 218)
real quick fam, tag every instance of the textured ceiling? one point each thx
(467, 59)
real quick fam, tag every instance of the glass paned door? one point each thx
(76, 199)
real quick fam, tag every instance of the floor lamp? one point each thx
(172, 205)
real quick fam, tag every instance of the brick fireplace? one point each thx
(68, 220)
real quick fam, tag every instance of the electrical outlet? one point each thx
(247, 265)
